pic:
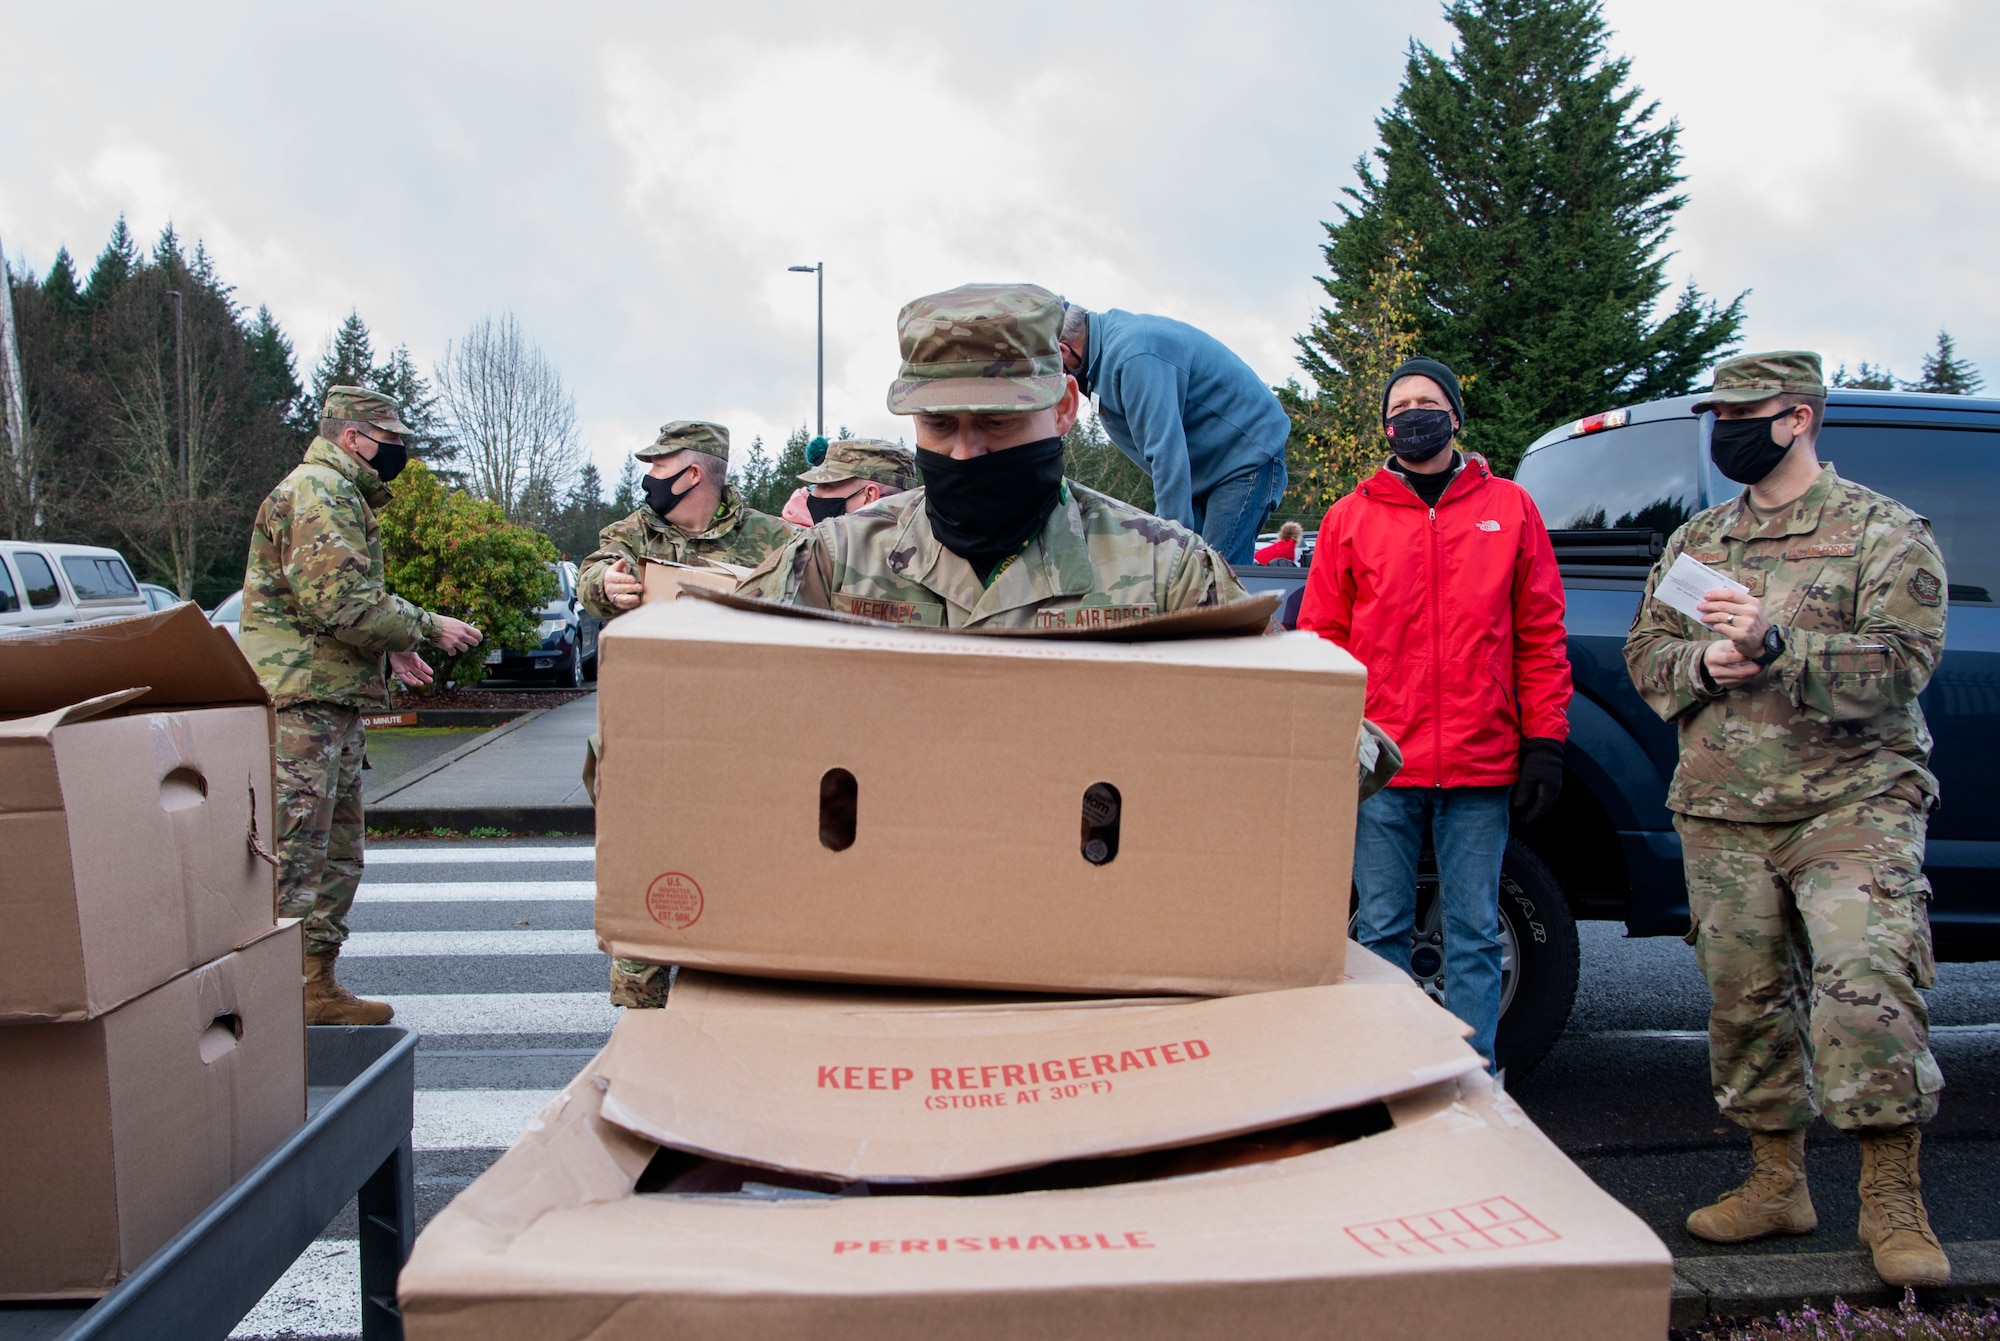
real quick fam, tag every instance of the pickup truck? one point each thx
(1612, 487)
(44, 584)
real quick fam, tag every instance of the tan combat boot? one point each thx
(1893, 1223)
(327, 1002)
(1772, 1200)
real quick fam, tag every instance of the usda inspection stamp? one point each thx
(675, 901)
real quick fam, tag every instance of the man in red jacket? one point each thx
(1438, 577)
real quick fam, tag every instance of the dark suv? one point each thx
(1612, 487)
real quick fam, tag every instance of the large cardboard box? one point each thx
(119, 1130)
(806, 798)
(1322, 1161)
(135, 798)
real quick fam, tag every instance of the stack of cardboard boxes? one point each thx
(879, 855)
(152, 1027)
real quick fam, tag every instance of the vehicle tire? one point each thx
(1536, 1003)
(1540, 955)
(571, 675)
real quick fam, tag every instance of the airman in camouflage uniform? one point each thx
(980, 366)
(608, 583)
(727, 532)
(1801, 798)
(869, 468)
(318, 625)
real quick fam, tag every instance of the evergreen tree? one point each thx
(1945, 372)
(1542, 192)
(771, 486)
(167, 253)
(274, 376)
(58, 287)
(399, 380)
(348, 359)
(625, 498)
(114, 266)
(1866, 377)
(1336, 433)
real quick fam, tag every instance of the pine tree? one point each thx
(1542, 192)
(274, 376)
(1094, 461)
(625, 498)
(59, 285)
(348, 359)
(1945, 373)
(399, 380)
(1337, 432)
(1865, 377)
(167, 254)
(114, 266)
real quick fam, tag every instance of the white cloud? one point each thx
(632, 180)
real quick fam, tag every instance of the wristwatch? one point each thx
(1774, 647)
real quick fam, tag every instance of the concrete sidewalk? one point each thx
(526, 776)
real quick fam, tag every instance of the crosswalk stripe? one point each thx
(458, 1119)
(478, 891)
(459, 944)
(506, 1012)
(468, 856)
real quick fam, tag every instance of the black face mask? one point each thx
(660, 495)
(1082, 376)
(389, 460)
(1744, 450)
(1419, 435)
(824, 508)
(986, 508)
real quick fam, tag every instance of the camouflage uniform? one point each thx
(892, 467)
(991, 348)
(1801, 798)
(317, 623)
(736, 534)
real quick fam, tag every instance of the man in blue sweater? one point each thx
(1191, 414)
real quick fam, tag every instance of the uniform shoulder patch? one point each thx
(1925, 589)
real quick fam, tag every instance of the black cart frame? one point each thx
(355, 1145)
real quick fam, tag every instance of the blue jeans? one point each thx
(1468, 827)
(1230, 515)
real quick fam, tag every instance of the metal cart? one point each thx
(361, 1088)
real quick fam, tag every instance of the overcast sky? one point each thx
(631, 180)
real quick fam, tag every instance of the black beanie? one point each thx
(1437, 372)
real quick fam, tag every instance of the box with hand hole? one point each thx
(816, 799)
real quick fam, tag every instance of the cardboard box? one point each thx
(135, 794)
(1423, 1204)
(662, 580)
(120, 1130)
(804, 798)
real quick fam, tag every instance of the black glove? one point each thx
(1541, 779)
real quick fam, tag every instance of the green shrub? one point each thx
(450, 552)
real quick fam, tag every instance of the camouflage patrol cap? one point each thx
(357, 404)
(687, 435)
(865, 459)
(979, 349)
(1749, 378)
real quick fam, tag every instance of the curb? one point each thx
(1707, 1289)
(550, 819)
(450, 757)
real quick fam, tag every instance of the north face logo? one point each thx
(1489, 525)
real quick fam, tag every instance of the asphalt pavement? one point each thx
(487, 949)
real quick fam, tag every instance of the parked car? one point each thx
(1612, 487)
(45, 584)
(158, 597)
(229, 614)
(567, 654)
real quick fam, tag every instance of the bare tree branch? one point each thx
(511, 423)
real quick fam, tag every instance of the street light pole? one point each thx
(819, 269)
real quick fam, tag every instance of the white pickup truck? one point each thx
(46, 584)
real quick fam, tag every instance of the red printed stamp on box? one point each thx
(1494, 1223)
(675, 901)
